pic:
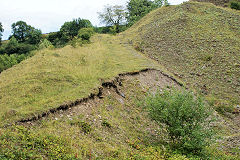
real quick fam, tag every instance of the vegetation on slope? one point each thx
(117, 127)
(198, 42)
(53, 77)
(223, 3)
(186, 118)
(110, 128)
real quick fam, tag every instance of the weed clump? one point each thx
(86, 127)
(105, 123)
(186, 118)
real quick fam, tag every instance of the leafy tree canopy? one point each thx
(113, 15)
(26, 33)
(138, 8)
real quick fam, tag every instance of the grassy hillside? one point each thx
(198, 42)
(54, 77)
(109, 128)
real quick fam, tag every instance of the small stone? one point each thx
(121, 101)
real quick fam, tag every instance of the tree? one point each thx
(34, 36)
(1, 30)
(113, 15)
(138, 8)
(20, 30)
(70, 29)
(12, 46)
(26, 33)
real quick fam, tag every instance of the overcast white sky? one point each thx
(49, 15)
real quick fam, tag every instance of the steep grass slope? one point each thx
(198, 42)
(54, 77)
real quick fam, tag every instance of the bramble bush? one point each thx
(186, 117)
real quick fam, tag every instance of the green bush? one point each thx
(85, 33)
(7, 61)
(186, 117)
(45, 44)
(24, 48)
(14, 47)
(235, 5)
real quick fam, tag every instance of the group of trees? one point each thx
(119, 15)
(68, 31)
(26, 38)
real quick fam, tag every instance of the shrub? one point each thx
(13, 47)
(85, 33)
(186, 118)
(235, 5)
(7, 61)
(45, 44)
(24, 48)
(113, 30)
(53, 37)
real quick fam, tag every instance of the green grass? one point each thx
(198, 42)
(54, 77)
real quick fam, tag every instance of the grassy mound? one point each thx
(198, 42)
(53, 77)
